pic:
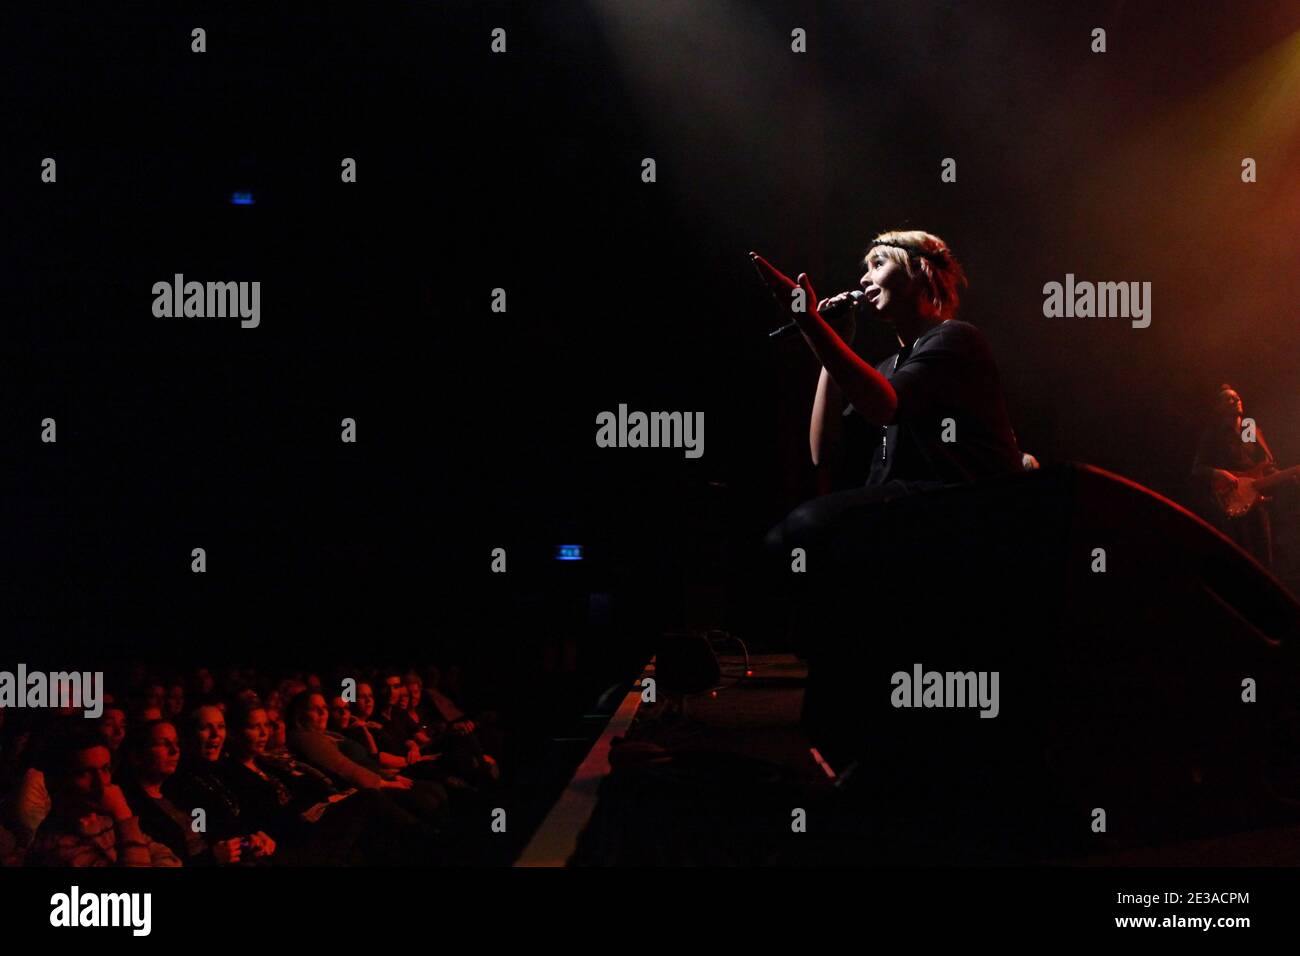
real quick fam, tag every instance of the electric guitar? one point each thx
(1252, 486)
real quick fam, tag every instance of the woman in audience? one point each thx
(377, 737)
(112, 726)
(390, 712)
(300, 805)
(344, 760)
(200, 779)
(380, 746)
(153, 754)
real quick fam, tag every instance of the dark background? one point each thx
(476, 430)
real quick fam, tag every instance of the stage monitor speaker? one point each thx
(1144, 665)
(685, 664)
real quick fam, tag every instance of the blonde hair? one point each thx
(929, 257)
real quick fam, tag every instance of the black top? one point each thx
(947, 373)
(269, 802)
(394, 731)
(274, 799)
(169, 825)
(202, 783)
(1221, 446)
(384, 737)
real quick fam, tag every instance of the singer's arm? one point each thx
(870, 392)
(826, 430)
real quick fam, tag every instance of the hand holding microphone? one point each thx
(841, 312)
(837, 311)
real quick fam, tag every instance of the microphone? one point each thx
(856, 296)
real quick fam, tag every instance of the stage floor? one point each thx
(756, 717)
(737, 783)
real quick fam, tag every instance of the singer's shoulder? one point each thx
(959, 330)
(956, 334)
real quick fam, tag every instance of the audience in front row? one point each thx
(90, 822)
(183, 772)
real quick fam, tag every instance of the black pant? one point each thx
(830, 517)
(834, 532)
(831, 603)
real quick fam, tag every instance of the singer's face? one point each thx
(885, 284)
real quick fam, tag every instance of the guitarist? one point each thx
(1221, 451)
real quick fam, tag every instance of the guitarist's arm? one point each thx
(1287, 475)
(1205, 473)
(1268, 459)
